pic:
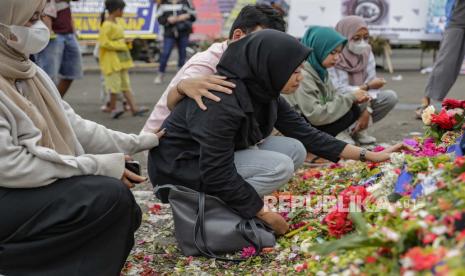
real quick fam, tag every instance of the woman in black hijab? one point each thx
(200, 147)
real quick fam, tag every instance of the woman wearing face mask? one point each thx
(64, 205)
(355, 70)
(316, 99)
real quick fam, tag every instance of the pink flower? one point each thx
(301, 267)
(461, 177)
(379, 148)
(248, 252)
(429, 238)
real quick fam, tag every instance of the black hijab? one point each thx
(261, 64)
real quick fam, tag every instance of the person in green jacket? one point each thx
(316, 99)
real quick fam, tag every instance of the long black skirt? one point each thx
(77, 226)
(342, 123)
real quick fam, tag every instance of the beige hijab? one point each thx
(37, 102)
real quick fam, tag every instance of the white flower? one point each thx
(410, 273)
(321, 273)
(390, 234)
(422, 224)
(439, 230)
(335, 259)
(453, 253)
(404, 214)
(426, 115)
(455, 111)
(423, 213)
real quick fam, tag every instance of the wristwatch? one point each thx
(363, 153)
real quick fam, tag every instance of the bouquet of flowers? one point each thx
(449, 118)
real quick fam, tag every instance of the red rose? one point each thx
(443, 120)
(338, 223)
(370, 260)
(452, 103)
(357, 194)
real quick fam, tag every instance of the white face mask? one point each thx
(358, 47)
(30, 40)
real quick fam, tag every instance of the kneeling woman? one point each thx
(225, 151)
(316, 99)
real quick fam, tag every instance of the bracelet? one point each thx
(180, 92)
(363, 153)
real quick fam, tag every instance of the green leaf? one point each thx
(359, 221)
(352, 241)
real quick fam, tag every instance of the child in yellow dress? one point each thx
(115, 59)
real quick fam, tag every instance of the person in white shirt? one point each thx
(355, 70)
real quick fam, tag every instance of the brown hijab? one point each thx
(39, 105)
(354, 65)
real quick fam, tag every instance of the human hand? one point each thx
(130, 179)
(377, 83)
(196, 88)
(362, 122)
(386, 153)
(275, 221)
(160, 133)
(172, 19)
(183, 17)
(361, 96)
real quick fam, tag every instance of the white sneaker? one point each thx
(345, 137)
(158, 79)
(363, 138)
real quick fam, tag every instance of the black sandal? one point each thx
(317, 162)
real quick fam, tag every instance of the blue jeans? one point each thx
(61, 58)
(168, 45)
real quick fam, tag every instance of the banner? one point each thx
(139, 18)
(209, 21)
(396, 20)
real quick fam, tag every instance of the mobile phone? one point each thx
(133, 166)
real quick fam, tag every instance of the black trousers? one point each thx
(343, 123)
(77, 226)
